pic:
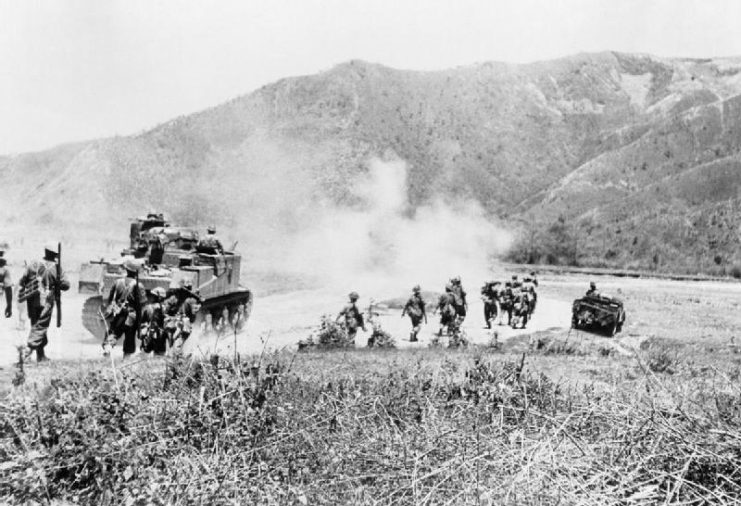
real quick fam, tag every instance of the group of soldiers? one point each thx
(516, 299)
(163, 318)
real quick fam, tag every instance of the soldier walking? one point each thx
(415, 308)
(153, 324)
(446, 307)
(353, 316)
(459, 298)
(6, 284)
(180, 309)
(125, 301)
(40, 287)
(490, 296)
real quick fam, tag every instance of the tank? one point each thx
(168, 256)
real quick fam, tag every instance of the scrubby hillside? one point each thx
(626, 150)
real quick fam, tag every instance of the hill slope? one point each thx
(638, 156)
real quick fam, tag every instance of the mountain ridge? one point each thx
(531, 143)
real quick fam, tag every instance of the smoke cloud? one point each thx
(379, 242)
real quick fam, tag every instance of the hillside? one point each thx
(633, 158)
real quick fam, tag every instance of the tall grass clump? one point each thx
(366, 428)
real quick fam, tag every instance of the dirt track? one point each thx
(673, 309)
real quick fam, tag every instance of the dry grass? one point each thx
(373, 427)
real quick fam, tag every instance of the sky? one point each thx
(74, 70)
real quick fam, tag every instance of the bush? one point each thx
(330, 334)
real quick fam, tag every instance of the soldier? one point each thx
(210, 245)
(153, 324)
(515, 282)
(180, 309)
(592, 292)
(125, 301)
(459, 296)
(415, 308)
(446, 307)
(353, 317)
(490, 296)
(6, 283)
(528, 289)
(39, 286)
(507, 301)
(534, 278)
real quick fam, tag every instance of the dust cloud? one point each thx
(378, 243)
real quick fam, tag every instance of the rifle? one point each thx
(137, 307)
(57, 289)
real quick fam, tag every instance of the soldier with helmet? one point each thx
(6, 284)
(210, 245)
(180, 309)
(153, 324)
(40, 283)
(459, 297)
(125, 301)
(592, 292)
(446, 307)
(353, 316)
(415, 308)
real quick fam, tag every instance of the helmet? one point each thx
(159, 293)
(416, 289)
(211, 229)
(131, 265)
(354, 296)
(514, 277)
(532, 273)
(592, 285)
(456, 279)
(508, 284)
(186, 283)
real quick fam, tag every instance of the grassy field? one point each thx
(552, 418)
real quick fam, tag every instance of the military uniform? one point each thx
(153, 324)
(210, 245)
(180, 310)
(6, 284)
(459, 298)
(353, 319)
(415, 308)
(125, 301)
(490, 296)
(446, 307)
(39, 283)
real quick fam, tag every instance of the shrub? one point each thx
(330, 334)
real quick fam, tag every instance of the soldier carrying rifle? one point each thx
(124, 310)
(40, 287)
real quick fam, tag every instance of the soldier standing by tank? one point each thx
(210, 245)
(125, 301)
(39, 287)
(153, 324)
(6, 283)
(415, 308)
(353, 316)
(180, 309)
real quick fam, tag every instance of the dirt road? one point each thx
(686, 310)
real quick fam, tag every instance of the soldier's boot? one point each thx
(413, 336)
(41, 356)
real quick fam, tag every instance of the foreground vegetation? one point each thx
(425, 427)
